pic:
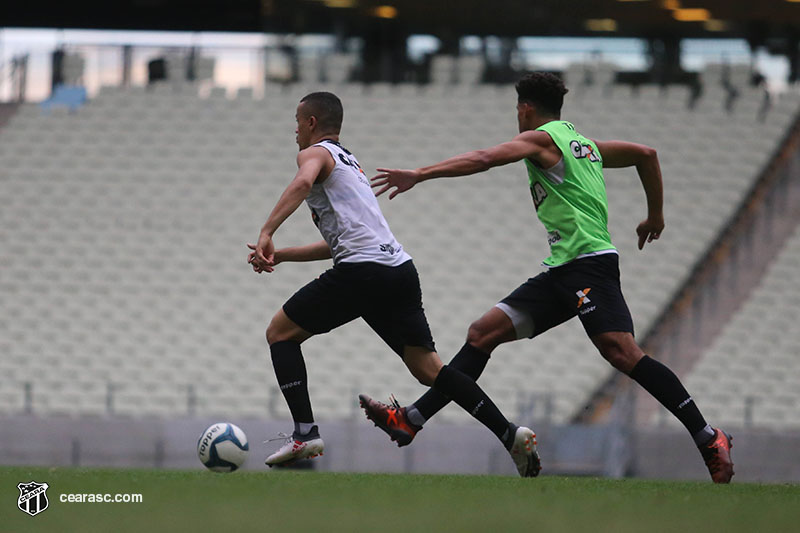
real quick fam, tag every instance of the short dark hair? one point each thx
(544, 90)
(327, 108)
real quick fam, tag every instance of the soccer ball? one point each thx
(222, 447)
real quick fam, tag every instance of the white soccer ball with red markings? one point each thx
(222, 447)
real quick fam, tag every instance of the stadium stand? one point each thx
(124, 225)
(750, 375)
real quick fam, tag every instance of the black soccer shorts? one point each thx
(587, 287)
(389, 299)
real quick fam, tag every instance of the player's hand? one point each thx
(649, 230)
(262, 257)
(402, 180)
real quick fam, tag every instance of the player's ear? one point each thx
(528, 108)
(312, 122)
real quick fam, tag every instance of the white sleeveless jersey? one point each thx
(348, 216)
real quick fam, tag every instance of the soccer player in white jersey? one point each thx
(372, 278)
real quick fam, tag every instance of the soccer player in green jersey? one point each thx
(565, 171)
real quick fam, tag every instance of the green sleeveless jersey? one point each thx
(570, 198)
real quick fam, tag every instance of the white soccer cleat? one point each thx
(295, 449)
(524, 453)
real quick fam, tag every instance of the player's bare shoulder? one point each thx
(316, 160)
(313, 153)
(540, 147)
(537, 138)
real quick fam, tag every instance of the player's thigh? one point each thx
(394, 310)
(325, 303)
(536, 306)
(495, 327)
(401, 328)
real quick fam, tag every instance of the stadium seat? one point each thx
(151, 195)
(761, 373)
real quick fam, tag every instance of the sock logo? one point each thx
(477, 407)
(583, 297)
(685, 402)
(291, 384)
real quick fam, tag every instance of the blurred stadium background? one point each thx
(140, 149)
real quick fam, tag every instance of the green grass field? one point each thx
(323, 502)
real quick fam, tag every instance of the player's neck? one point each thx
(538, 122)
(325, 137)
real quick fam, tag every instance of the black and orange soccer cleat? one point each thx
(717, 455)
(390, 418)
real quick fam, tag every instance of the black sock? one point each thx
(469, 360)
(465, 392)
(665, 387)
(290, 369)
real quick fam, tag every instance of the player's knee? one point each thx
(277, 332)
(272, 335)
(481, 337)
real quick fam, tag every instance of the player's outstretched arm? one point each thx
(618, 154)
(310, 163)
(527, 144)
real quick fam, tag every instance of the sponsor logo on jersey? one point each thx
(581, 151)
(352, 163)
(553, 237)
(538, 193)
